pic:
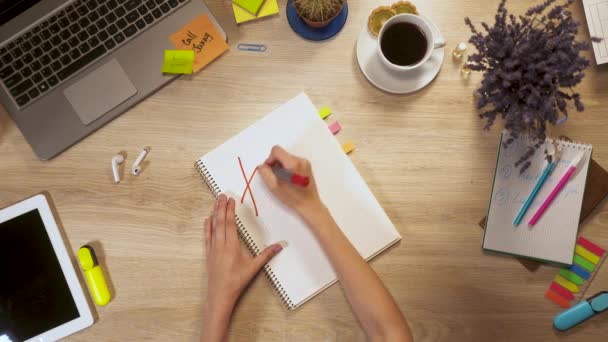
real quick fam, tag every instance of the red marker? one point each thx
(291, 177)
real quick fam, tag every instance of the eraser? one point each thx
(324, 112)
(348, 147)
(334, 127)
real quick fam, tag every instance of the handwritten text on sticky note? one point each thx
(200, 36)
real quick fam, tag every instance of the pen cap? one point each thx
(87, 258)
(573, 316)
(599, 302)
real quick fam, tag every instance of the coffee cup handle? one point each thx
(439, 43)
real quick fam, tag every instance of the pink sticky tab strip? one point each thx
(560, 290)
(591, 247)
(335, 127)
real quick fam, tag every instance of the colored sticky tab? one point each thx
(178, 61)
(593, 248)
(324, 112)
(566, 284)
(348, 147)
(585, 253)
(581, 272)
(269, 7)
(559, 300)
(200, 36)
(560, 290)
(584, 263)
(334, 127)
(573, 277)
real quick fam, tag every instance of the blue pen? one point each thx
(534, 192)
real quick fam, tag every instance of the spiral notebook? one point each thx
(554, 236)
(301, 270)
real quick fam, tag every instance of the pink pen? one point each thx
(557, 189)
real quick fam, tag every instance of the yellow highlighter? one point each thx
(94, 275)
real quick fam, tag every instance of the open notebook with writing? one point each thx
(554, 235)
(301, 270)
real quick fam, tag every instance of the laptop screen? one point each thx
(12, 8)
(34, 295)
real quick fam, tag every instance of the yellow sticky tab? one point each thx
(585, 253)
(324, 112)
(178, 61)
(566, 284)
(348, 147)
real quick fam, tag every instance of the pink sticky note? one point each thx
(335, 127)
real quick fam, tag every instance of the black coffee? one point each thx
(403, 44)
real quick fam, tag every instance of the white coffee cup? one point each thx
(433, 41)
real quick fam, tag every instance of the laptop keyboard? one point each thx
(69, 40)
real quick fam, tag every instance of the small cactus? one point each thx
(318, 10)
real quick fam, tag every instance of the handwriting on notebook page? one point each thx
(248, 185)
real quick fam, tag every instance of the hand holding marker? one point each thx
(291, 177)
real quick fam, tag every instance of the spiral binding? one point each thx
(573, 144)
(245, 236)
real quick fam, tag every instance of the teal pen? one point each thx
(534, 192)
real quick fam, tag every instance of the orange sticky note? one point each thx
(201, 36)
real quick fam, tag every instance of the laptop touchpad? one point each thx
(100, 91)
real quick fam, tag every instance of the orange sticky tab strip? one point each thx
(585, 253)
(566, 283)
(557, 299)
(348, 147)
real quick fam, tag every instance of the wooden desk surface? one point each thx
(424, 155)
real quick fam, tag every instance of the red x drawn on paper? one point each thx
(247, 186)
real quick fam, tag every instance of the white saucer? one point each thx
(402, 82)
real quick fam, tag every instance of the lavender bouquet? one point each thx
(531, 63)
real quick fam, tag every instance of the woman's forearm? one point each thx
(372, 304)
(216, 320)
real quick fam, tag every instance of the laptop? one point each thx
(68, 67)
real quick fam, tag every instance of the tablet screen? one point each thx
(34, 295)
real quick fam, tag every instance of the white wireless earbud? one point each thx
(117, 160)
(136, 168)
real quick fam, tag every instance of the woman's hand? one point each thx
(229, 268)
(304, 200)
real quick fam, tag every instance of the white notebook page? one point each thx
(596, 13)
(301, 268)
(554, 235)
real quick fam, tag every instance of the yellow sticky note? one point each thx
(348, 147)
(324, 112)
(566, 283)
(585, 253)
(200, 36)
(178, 61)
(269, 7)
